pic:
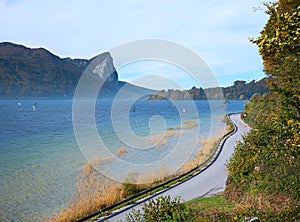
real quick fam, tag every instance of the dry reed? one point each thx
(122, 150)
(202, 155)
(94, 192)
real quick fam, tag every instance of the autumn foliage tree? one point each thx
(279, 45)
(267, 162)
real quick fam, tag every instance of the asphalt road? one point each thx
(208, 183)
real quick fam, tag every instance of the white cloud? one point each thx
(217, 30)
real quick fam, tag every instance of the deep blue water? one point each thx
(40, 158)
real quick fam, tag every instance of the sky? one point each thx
(216, 30)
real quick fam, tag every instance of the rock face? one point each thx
(105, 69)
(37, 73)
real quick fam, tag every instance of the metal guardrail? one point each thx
(199, 169)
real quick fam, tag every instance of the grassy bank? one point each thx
(263, 206)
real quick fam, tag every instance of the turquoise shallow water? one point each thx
(40, 158)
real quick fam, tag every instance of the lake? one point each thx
(41, 155)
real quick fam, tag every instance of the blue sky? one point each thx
(216, 30)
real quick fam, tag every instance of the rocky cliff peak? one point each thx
(104, 68)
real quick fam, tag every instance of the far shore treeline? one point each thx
(239, 91)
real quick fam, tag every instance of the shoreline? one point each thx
(175, 180)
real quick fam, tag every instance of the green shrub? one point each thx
(161, 209)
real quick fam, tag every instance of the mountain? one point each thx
(37, 73)
(239, 91)
(26, 72)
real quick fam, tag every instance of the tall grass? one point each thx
(122, 150)
(202, 155)
(94, 191)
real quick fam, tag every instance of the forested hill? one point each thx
(239, 91)
(26, 72)
(37, 73)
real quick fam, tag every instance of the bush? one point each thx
(268, 159)
(161, 209)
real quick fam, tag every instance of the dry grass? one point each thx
(159, 140)
(162, 139)
(222, 117)
(94, 192)
(202, 155)
(190, 124)
(263, 202)
(105, 159)
(147, 180)
(170, 128)
(135, 184)
(228, 129)
(265, 206)
(122, 150)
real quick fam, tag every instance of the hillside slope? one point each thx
(26, 72)
(37, 73)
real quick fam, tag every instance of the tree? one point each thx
(268, 162)
(279, 45)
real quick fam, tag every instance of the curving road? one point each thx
(207, 183)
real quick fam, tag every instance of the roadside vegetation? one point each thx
(266, 165)
(161, 209)
(216, 208)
